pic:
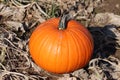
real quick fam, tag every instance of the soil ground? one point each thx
(112, 6)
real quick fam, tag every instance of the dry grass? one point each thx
(19, 18)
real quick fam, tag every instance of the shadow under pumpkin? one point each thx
(104, 41)
(104, 46)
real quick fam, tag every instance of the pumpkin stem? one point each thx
(63, 21)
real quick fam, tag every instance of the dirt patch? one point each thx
(112, 6)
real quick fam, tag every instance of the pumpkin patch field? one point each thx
(59, 40)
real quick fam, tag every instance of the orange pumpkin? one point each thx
(61, 45)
